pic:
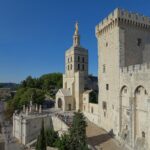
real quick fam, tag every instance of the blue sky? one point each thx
(34, 34)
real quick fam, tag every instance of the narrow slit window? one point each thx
(107, 87)
(78, 66)
(139, 42)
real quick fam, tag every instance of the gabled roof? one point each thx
(88, 91)
(65, 92)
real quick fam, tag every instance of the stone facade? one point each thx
(124, 77)
(26, 128)
(76, 79)
(2, 142)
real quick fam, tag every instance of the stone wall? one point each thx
(134, 102)
(26, 129)
(2, 143)
(123, 38)
(59, 125)
(91, 112)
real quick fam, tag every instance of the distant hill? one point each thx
(12, 86)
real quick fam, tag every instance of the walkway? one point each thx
(99, 138)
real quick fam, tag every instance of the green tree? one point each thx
(51, 137)
(63, 143)
(34, 89)
(41, 141)
(78, 132)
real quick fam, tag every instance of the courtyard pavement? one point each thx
(99, 139)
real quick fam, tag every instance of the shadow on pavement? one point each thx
(99, 139)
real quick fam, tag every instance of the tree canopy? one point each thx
(34, 89)
(78, 132)
(76, 138)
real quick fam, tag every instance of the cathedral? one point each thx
(123, 79)
(76, 80)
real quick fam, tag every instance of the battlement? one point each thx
(136, 68)
(125, 17)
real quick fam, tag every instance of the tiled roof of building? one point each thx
(66, 92)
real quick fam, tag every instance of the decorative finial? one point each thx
(76, 28)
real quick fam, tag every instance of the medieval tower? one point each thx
(76, 73)
(124, 77)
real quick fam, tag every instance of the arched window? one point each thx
(125, 90)
(60, 103)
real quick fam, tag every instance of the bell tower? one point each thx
(76, 69)
(76, 58)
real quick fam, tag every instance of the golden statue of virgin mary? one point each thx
(76, 29)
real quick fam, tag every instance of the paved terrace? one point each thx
(100, 139)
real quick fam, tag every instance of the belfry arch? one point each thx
(140, 103)
(124, 109)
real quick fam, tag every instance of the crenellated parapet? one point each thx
(136, 68)
(119, 17)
